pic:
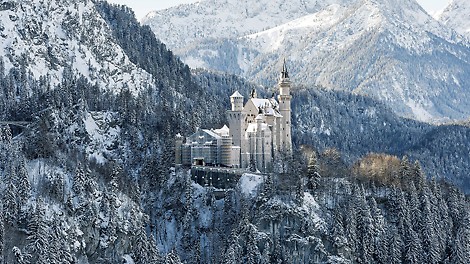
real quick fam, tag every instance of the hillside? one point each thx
(455, 15)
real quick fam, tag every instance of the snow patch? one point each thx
(128, 259)
(103, 136)
(249, 184)
(419, 112)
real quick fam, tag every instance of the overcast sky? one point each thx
(142, 7)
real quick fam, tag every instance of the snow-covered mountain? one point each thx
(457, 16)
(188, 24)
(47, 36)
(393, 51)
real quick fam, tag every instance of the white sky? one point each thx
(142, 7)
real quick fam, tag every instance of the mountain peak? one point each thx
(456, 16)
(226, 19)
(381, 48)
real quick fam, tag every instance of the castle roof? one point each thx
(211, 133)
(236, 94)
(269, 106)
(224, 131)
(261, 103)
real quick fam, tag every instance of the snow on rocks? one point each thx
(249, 184)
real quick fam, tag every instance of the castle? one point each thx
(258, 132)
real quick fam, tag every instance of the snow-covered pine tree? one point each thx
(253, 255)
(2, 235)
(427, 226)
(20, 257)
(442, 222)
(419, 176)
(413, 247)
(338, 235)
(232, 253)
(379, 235)
(395, 246)
(79, 180)
(299, 189)
(10, 203)
(38, 244)
(406, 172)
(172, 258)
(141, 246)
(24, 186)
(461, 248)
(313, 175)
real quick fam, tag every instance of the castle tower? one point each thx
(178, 149)
(236, 118)
(284, 99)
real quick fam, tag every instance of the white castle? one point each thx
(258, 132)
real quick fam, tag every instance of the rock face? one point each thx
(392, 51)
(455, 15)
(46, 37)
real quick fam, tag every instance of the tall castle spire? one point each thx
(285, 109)
(284, 72)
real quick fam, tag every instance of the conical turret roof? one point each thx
(236, 94)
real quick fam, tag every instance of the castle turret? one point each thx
(237, 101)
(285, 110)
(178, 149)
(236, 118)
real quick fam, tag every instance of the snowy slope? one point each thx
(457, 16)
(393, 51)
(47, 36)
(187, 24)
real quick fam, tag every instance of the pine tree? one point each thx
(395, 246)
(442, 223)
(172, 258)
(405, 173)
(299, 190)
(267, 190)
(141, 246)
(313, 175)
(413, 248)
(11, 204)
(461, 248)
(155, 257)
(2, 235)
(20, 257)
(338, 233)
(352, 230)
(79, 180)
(365, 227)
(419, 176)
(413, 206)
(427, 227)
(379, 236)
(253, 255)
(38, 244)
(232, 253)
(24, 187)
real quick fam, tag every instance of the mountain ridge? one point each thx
(395, 53)
(455, 15)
